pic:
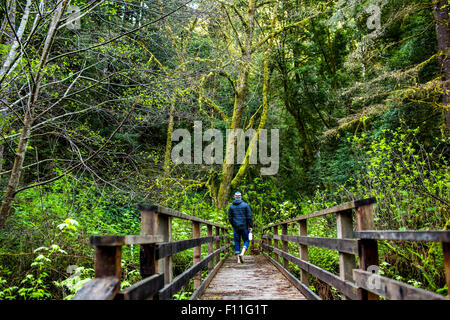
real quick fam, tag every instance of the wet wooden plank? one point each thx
(304, 289)
(255, 279)
(197, 293)
(98, 289)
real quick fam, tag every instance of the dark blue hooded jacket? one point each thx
(240, 215)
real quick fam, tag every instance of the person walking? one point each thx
(240, 217)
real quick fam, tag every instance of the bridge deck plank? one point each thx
(255, 279)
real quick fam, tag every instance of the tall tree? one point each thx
(82, 93)
(30, 112)
(245, 29)
(443, 39)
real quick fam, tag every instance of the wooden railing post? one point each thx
(148, 262)
(164, 229)
(217, 243)
(367, 248)
(345, 230)
(446, 252)
(108, 272)
(303, 250)
(262, 239)
(197, 253)
(285, 244)
(276, 244)
(227, 241)
(210, 247)
(153, 223)
(107, 263)
(271, 242)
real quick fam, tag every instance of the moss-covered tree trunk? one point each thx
(443, 40)
(239, 104)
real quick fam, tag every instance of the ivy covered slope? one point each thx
(359, 91)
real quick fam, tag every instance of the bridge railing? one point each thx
(156, 251)
(354, 283)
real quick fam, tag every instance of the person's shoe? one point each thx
(238, 257)
(241, 255)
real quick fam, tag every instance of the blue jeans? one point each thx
(238, 234)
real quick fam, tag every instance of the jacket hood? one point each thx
(237, 202)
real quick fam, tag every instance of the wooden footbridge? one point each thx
(261, 276)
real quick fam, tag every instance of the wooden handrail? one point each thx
(392, 289)
(156, 253)
(143, 289)
(353, 283)
(124, 240)
(177, 214)
(170, 248)
(336, 209)
(341, 245)
(405, 235)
